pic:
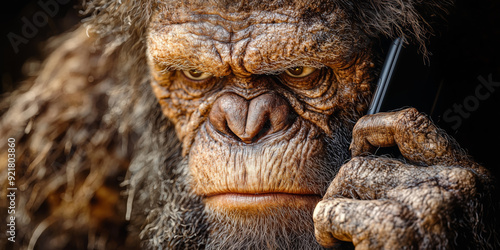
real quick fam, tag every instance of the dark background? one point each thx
(467, 48)
(17, 66)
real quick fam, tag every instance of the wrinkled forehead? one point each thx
(222, 41)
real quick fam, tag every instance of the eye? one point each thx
(299, 71)
(196, 75)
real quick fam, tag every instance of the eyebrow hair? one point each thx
(169, 65)
(186, 48)
(302, 7)
(269, 70)
(179, 64)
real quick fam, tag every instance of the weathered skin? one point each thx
(233, 121)
(378, 202)
(253, 134)
(219, 119)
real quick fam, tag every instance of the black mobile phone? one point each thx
(407, 79)
(386, 76)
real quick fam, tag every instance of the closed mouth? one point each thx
(259, 201)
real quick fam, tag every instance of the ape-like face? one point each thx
(256, 97)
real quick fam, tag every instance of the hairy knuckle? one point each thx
(356, 167)
(460, 180)
(361, 125)
(411, 119)
(353, 164)
(319, 212)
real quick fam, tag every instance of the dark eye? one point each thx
(299, 71)
(196, 75)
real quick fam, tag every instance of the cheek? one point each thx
(185, 111)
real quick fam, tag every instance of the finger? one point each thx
(432, 197)
(418, 139)
(373, 131)
(372, 177)
(368, 224)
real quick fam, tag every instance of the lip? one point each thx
(262, 201)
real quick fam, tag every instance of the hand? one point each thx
(433, 199)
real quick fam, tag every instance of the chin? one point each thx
(261, 226)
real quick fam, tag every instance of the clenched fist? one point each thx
(431, 199)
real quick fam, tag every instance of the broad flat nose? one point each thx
(250, 120)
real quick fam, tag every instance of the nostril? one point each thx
(228, 132)
(266, 129)
(228, 114)
(250, 120)
(291, 117)
(223, 129)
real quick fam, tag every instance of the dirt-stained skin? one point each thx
(248, 124)
(241, 126)
(251, 104)
(378, 202)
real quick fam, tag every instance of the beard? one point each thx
(280, 229)
(277, 228)
(162, 204)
